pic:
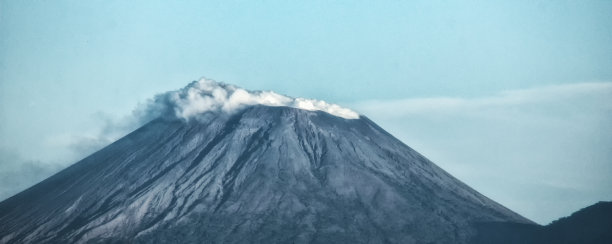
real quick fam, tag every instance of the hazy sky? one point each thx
(512, 97)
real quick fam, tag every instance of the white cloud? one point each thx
(210, 96)
(509, 98)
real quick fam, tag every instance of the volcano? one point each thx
(254, 174)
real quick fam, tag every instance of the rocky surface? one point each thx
(260, 175)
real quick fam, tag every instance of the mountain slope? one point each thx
(590, 225)
(260, 175)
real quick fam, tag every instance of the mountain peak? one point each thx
(206, 95)
(264, 174)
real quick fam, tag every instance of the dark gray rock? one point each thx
(590, 225)
(261, 175)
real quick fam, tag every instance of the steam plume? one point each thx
(208, 95)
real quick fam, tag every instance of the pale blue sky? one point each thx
(71, 70)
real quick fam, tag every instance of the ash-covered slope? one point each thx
(261, 175)
(221, 164)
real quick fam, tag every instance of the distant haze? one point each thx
(511, 97)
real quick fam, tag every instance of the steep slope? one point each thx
(260, 175)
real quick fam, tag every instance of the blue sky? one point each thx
(512, 97)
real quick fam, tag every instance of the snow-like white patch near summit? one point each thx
(208, 95)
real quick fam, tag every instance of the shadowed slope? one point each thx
(590, 225)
